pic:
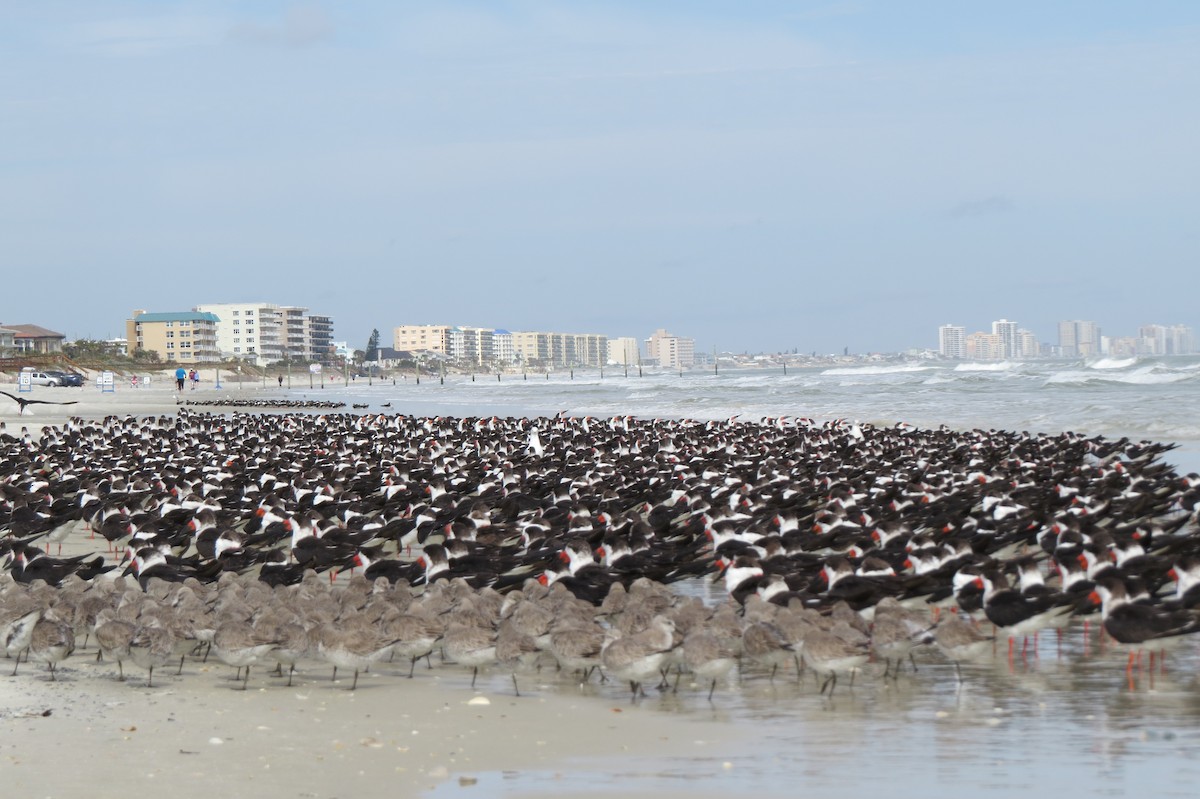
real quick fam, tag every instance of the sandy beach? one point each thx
(198, 733)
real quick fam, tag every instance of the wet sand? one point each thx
(200, 735)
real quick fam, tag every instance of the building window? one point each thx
(237, 349)
(237, 341)
(249, 313)
(170, 334)
(170, 324)
(170, 345)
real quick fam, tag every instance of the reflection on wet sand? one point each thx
(1062, 720)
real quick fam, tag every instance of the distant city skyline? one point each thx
(761, 176)
(1075, 338)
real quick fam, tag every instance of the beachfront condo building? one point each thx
(1007, 333)
(624, 351)
(952, 341)
(1078, 338)
(422, 338)
(982, 346)
(545, 350)
(177, 336)
(263, 333)
(502, 347)
(673, 352)
(482, 346)
(1166, 340)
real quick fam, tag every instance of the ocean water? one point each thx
(1155, 399)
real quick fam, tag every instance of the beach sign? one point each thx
(107, 383)
(24, 383)
(315, 368)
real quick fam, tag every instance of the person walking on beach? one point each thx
(194, 376)
(180, 376)
(281, 381)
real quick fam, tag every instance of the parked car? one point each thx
(43, 379)
(67, 378)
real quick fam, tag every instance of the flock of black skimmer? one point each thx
(512, 543)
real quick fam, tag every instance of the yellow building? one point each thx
(422, 338)
(185, 336)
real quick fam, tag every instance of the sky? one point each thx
(759, 176)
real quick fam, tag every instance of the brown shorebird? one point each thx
(152, 646)
(18, 632)
(709, 656)
(828, 653)
(113, 637)
(515, 651)
(766, 645)
(895, 632)
(960, 640)
(415, 635)
(470, 645)
(351, 646)
(636, 657)
(576, 645)
(240, 644)
(52, 641)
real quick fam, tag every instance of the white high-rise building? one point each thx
(502, 347)
(262, 332)
(952, 341)
(1008, 332)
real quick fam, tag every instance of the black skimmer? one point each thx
(25, 403)
(1016, 614)
(1138, 625)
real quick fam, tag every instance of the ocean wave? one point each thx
(1002, 366)
(874, 370)
(1146, 376)
(1112, 363)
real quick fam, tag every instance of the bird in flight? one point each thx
(27, 402)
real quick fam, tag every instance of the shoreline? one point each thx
(389, 733)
